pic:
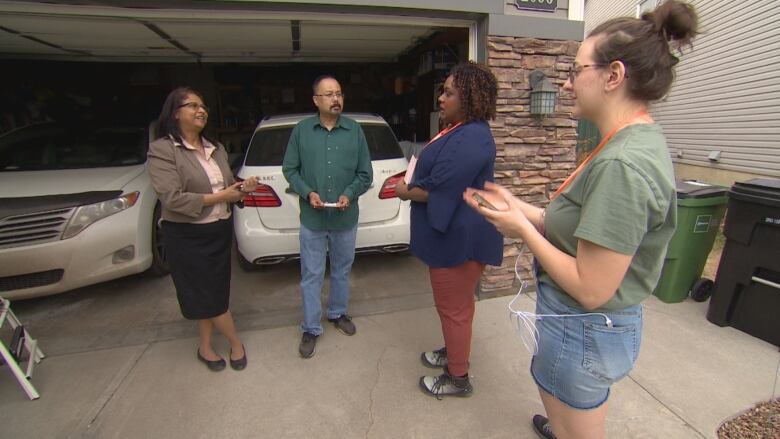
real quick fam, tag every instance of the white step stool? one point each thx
(35, 355)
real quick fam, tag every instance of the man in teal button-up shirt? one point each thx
(327, 161)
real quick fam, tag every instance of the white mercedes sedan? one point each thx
(267, 227)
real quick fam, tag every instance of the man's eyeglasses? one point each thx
(332, 95)
(574, 71)
(194, 106)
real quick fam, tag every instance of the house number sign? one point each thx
(537, 5)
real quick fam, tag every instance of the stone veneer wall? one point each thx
(534, 155)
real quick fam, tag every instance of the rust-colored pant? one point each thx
(453, 293)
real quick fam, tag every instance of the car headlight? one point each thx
(84, 216)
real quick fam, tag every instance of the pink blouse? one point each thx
(222, 210)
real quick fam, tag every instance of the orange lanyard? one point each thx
(640, 114)
(444, 132)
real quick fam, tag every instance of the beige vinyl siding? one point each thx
(727, 94)
(599, 11)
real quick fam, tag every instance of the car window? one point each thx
(267, 147)
(269, 144)
(381, 142)
(50, 147)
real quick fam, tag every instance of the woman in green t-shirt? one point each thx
(601, 242)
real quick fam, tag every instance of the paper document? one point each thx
(410, 170)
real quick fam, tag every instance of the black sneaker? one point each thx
(344, 324)
(308, 344)
(434, 359)
(446, 385)
(542, 427)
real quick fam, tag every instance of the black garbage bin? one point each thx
(747, 286)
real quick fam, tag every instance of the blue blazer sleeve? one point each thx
(459, 163)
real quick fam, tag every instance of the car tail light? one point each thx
(388, 188)
(262, 196)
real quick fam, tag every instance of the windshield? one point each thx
(269, 144)
(50, 146)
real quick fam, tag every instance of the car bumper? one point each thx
(85, 259)
(263, 246)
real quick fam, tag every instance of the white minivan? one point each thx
(267, 227)
(76, 207)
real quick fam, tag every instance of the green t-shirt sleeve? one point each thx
(616, 208)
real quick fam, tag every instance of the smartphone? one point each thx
(483, 202)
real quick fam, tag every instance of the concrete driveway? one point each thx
(143, 309)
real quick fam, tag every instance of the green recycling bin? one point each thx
(700, 208)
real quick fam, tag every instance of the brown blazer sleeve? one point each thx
(167, 181)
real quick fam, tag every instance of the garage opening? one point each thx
(79, 64)
(80, 67)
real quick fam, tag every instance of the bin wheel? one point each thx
(702, 289)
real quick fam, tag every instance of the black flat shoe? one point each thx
(214, 366)
(239, 364)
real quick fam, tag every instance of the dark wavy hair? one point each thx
(644, 45)
(477, 88)
(166, 123)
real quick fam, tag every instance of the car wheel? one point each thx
(159, 262)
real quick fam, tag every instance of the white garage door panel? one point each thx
(102, 32)
(261, 44)
(46, 25)
(347, 31)
(360, 45)
(89, 42)
(32, 49)
(231, 31)
(162, 54)
(257, 56)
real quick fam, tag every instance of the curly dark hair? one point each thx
(477, 88)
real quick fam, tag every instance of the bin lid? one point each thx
(697, 189)
(758, 189)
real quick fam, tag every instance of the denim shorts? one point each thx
(580, 357)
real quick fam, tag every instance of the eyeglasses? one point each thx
(194, 106)
(332, 95)
(574, 71)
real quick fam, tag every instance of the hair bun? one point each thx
(675, 21)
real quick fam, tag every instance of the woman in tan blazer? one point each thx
(196, 189)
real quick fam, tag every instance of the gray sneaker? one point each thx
(446, 385)
(434, 359)
(344, 324)
(308, 344)
(542, 427)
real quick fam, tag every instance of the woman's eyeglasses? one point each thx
(574, 71)
(194, 106)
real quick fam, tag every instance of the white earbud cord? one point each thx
(525, 321)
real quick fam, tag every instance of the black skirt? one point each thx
(199, 258)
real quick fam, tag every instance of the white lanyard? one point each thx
(525, 321)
